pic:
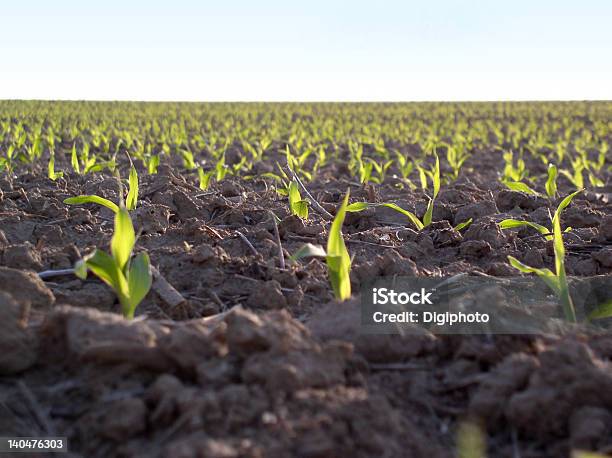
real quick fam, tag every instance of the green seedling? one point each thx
(551, 181)
(404, 165)
(519, 186)
(556, 281)
(74, 160)
(51, 173)
(418, 223)
(360, 206)
(456, 157)
(131, 200)
(298, 206)
(512, 172)
(205, 178)
(128, 276)
(152, 163)
(336, 256)
(576, 176)
(188, 160)
(381, 170)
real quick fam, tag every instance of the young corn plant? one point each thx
(404, 165)
(336, 255)
(298, 206)
(51, 173)
(456, 156)
(130, 202)
(415, 220)
(129, 276)
(556, 281)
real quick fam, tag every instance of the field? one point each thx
(240, 346)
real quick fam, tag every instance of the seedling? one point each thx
(456, 157)
(129, 277)
(418, 223)
(557, 281)
(298, 206)
(404, 165)
(551, 181)
(131, 200)
(336, 256)
(51, 173)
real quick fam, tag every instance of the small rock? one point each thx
(495, 390)
(208, 254)
(475, 211)
(186, 207)
(585, 267)
(604, 257)
(533, 257)
(507, 200)
(488, 231)
(18, 349)
(581, 217)
(290, 224)
(393, 263)
(22, 256)
(152, 218)
(230, 189)
(267, 296)
(26, 288)
(475, 248)
(123, 419)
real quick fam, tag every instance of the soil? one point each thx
(260, 361)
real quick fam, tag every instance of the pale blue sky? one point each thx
(312, 50)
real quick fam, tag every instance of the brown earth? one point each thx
(261, 361)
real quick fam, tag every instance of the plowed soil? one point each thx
(260, 361)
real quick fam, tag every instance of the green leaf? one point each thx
(545, 274)
(132, 197)
(74, 159)
(422, 177)
(551, 182)
(309, 250)
(358, 206)
(153, 164)
(139, 282)
(123, 239)
(205, 178)
(514, 223)
(298, 206)
(602, 311)
(338, 259)
(436, 179)
(565, 202)
(463, 225)
(411, 216)
(428, 216)
(559, 249)
(89, 199)
(80, 269)
(519, 186)
(104, 267)
(52, 174)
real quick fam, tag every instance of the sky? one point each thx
(315, 50)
